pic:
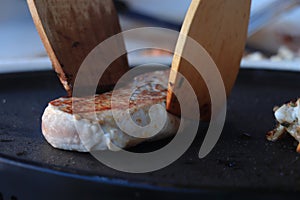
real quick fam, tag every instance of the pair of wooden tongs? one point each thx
(70, 29)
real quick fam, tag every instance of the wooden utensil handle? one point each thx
(221, 28)
(71, 29)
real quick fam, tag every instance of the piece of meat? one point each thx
(288, 121)
(83, 131)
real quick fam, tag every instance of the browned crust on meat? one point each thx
(102, 102)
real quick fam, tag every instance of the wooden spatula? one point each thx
(70, 29)
(221, 28)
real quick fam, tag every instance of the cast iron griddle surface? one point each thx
(242, 159)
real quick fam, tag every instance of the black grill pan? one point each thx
(242, 165)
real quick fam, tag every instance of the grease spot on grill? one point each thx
(13, 198)
(228, 163)
(246, 136)
(6, 140)
(21, 153)
(189, 162)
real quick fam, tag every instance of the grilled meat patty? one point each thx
(85, 124)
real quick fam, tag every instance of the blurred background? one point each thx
(273, 42)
